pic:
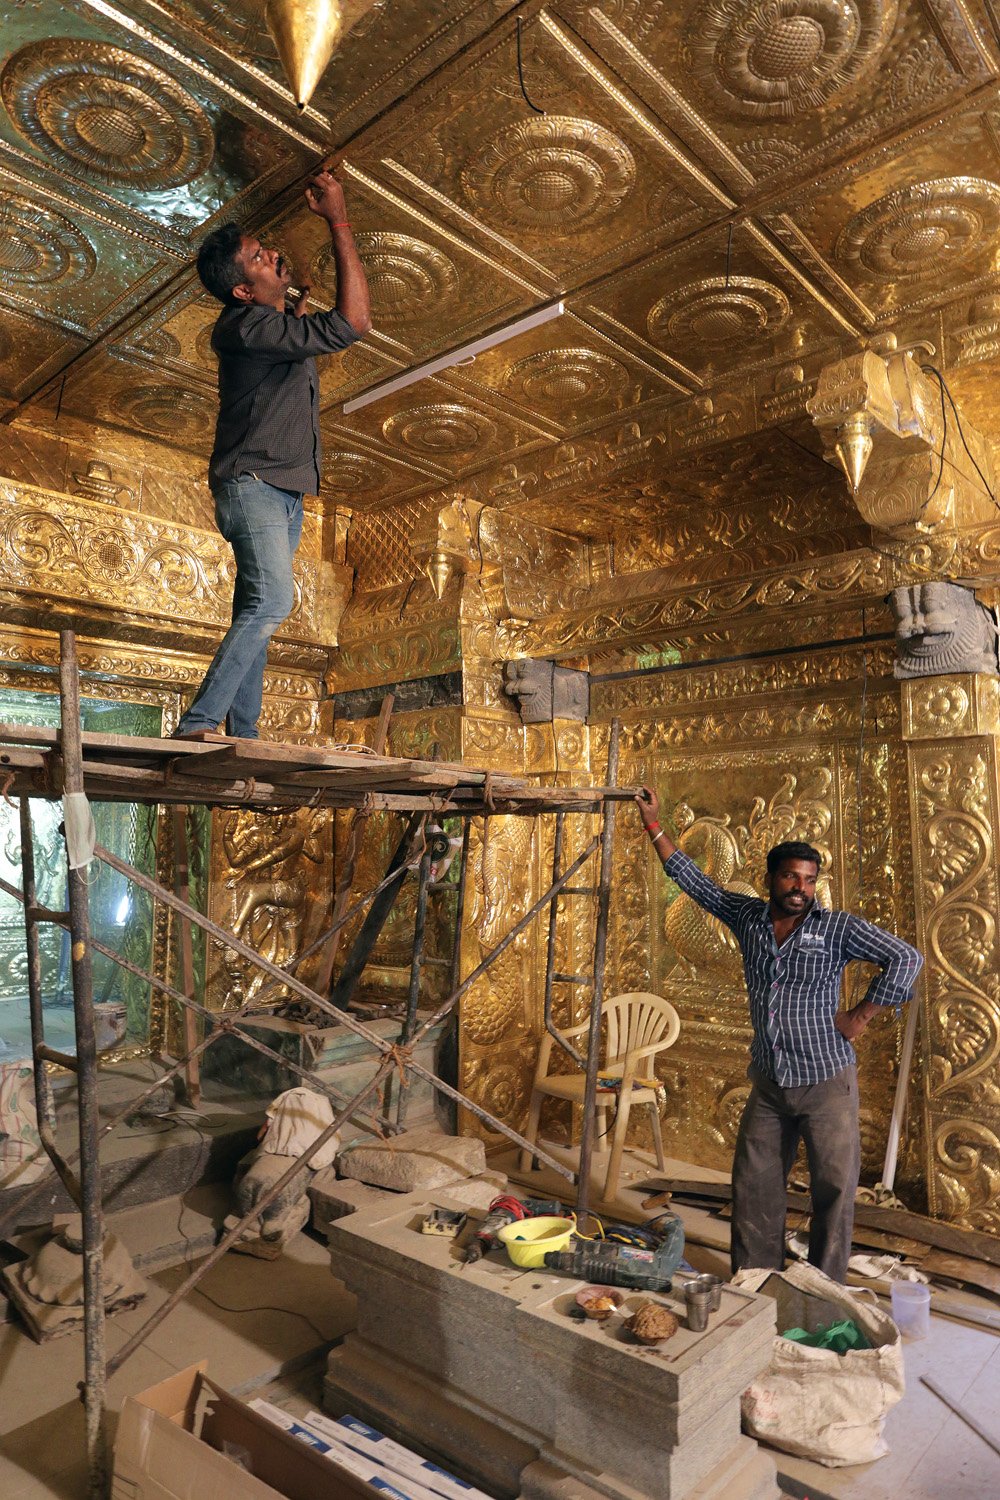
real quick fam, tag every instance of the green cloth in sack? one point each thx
(839, 1337)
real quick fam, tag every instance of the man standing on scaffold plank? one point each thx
(267, 443)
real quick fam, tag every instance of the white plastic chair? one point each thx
(638, 1027)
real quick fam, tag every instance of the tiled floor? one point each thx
(287, 1307)
(933, 1454)
(293, 1305)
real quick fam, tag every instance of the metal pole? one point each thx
(463, 873)
(413, 996)
(899, 1102)
(550, 951)
(597, 993)
(359, 821)
(233, 1235)
(182, 886)
(43, 1089)
(95, 1381)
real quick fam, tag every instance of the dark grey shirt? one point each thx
(268, 421)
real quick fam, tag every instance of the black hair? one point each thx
(793, 849)
(218, 267)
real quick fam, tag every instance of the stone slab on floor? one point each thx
(495, 1343)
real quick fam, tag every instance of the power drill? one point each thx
(503, 1211)
(643, 1258)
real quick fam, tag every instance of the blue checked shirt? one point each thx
(794, 990)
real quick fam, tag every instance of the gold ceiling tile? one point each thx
(30, 349)
(428, 288)
(133, 395)
(590, 184)
(99, 113)
(711, 310)
(76, 270)
(363, 480)
(765, 90)
(445, 429)
(564, 373)
(902, 230)
(96, 99)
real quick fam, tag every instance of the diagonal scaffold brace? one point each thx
(392, 1057)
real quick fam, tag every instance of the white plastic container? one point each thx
(911, 1309)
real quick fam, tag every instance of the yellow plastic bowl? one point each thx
(528, 1241)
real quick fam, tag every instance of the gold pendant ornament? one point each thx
(305, 33)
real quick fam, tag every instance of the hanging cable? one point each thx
(729, 253)
(943, 384)
(520, 72)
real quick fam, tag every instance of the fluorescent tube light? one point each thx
(456, 357)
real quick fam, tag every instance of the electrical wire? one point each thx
(930, 370)
(520, 72)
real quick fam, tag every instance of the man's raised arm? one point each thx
(681, 867)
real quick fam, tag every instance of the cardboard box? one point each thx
(170, 1441)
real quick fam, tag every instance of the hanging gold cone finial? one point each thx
(305, 33)
(439, 569)
(854, 447)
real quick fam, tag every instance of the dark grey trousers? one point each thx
(825, 1116)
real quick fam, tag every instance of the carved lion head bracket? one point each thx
(543, 691)
(941, 628)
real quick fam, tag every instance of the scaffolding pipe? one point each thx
(597, 992)
(139, 1338)
(95, 1380)
(45, 1107)
(550, 952)
(413, 994)
(359, 1029)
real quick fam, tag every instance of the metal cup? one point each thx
(699, 1301)
(714, 1285)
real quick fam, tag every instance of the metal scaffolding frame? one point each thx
(64, 769)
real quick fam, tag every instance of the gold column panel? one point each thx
(950, 725)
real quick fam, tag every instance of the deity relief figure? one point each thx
(270, 884)
(941, 627)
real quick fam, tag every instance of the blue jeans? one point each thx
(263, 525)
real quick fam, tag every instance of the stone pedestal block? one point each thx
(482, 1365)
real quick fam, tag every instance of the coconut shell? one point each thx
(652, 1324)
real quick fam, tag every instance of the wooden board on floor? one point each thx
(961, 1268)
(897, 1221)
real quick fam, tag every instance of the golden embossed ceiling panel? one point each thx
(765, 90)
(137, 395)
(559, 197)
(852, 146)
(903, 229)
(55, 259)
(429, 288)
(367, 479)
(714, 307)
(567, 374)
(437, 425)
(99, 104)
(29, 347)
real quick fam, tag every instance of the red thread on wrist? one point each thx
(343, 225)
(651, 826)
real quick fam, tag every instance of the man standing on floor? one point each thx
(267, 442)
(803, 1068)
